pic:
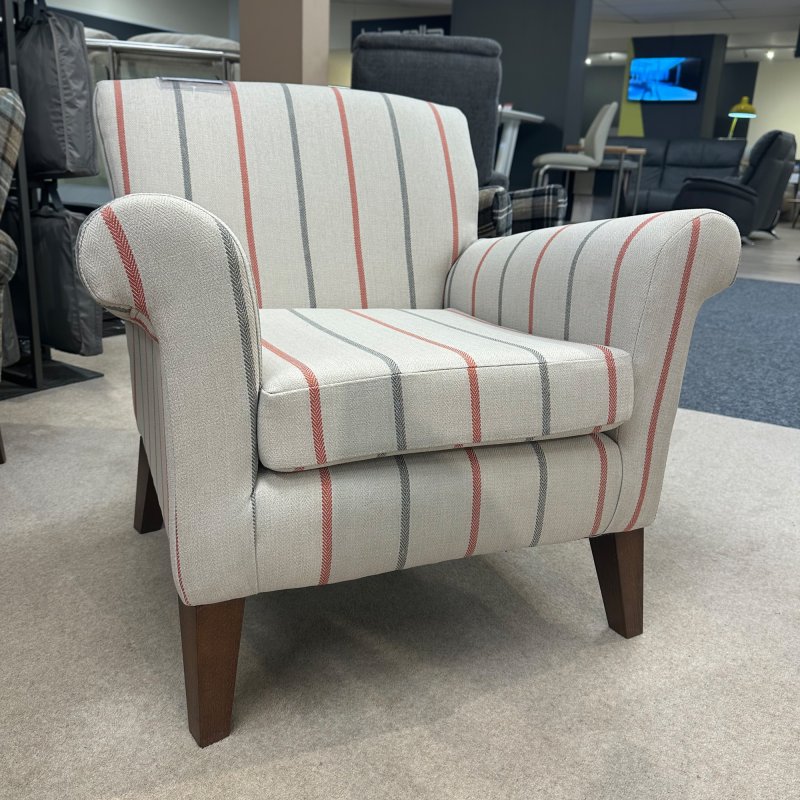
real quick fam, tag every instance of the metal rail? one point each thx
(116, 48)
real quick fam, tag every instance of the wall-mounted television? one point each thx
(664, 80)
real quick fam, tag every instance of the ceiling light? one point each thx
(588, 61)
(770, 54)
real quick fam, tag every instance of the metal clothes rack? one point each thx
(37, 371)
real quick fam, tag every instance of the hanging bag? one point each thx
(70, 319)
(55, 86)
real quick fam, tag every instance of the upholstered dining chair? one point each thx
(333, 377)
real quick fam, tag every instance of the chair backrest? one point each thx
(340, 198)
(594, 143)
(460, 71)
(771, 164)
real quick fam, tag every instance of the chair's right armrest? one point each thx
(176, 271)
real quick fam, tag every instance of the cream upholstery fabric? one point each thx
(337, 523)
(310, 197)
(340, 385)
(340, 198)
(635, 283)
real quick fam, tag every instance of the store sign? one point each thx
(432, 26)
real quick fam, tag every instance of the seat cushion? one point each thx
(343, 385)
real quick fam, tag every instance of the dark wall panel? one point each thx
(738, 79)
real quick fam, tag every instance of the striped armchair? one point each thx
(334, 377)
(12, 120)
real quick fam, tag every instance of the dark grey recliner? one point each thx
(460, 71)
(754, 200)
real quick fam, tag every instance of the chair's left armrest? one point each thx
(176, 271)
(494, 212)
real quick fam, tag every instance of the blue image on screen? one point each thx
(664, 80)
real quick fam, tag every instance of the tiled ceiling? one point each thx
(645, 11)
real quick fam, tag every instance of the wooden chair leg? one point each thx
(147, 513)
(619, 561)
(210, 638)
(2, 450)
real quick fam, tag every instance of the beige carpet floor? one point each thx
(494, 677)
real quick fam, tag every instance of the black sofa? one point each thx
(669, 162)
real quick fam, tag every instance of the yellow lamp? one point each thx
(744, 109)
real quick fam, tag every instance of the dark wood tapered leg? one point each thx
(619, 561)
(210, 639)
(2, 450)
(147, 513)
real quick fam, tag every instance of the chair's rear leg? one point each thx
(147, 513)
(210, 637)
(2, 450)
(619, 561)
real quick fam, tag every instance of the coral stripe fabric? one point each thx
(128, 259)
(603, 484)
(475, 517)
(612, 383)
(315, 403)
(662, 381)
(536, 273)
(123, 145)
(478, 270)
(612, 294)
(248, 211)
(351, 177)
(448, 165)
(326, 489)
(472, 370)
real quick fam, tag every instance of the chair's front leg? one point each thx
(619, 561)
(210, 637)
(147, 512)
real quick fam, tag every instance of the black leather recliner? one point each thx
(754, 200)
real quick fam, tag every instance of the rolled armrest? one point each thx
(635, 283)
(727, 185)
(177, 272)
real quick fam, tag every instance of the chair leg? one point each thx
(147, 513)
(2, 450)
(619, 562)
(210, 639)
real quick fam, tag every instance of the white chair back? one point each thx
(597, 135)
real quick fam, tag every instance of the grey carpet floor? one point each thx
(494, 677)
(744, 359)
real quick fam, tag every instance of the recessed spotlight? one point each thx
(588, 61)
(770, 54)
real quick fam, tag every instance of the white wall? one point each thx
(776, 98)
(185, 16)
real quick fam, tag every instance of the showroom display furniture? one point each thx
(669, 162)
(12, 122)
(333, 377)
(464, 72)
(754, 200)
(591, 153)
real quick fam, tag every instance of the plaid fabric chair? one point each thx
(12, 120)
(539, 207)
(333, 376)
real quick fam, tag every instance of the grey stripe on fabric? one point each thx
(540, 360)
(405, 511)
(539, 524)
(301, 196)
(503, 277)
(397, 386)
(401, 169)
(571, 278)
(246, 337)
(187, 175)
